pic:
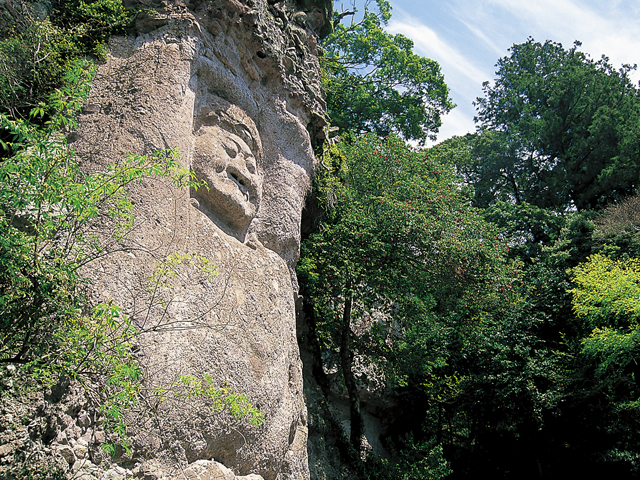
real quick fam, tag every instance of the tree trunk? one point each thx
(347, 359)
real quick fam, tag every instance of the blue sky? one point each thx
(467, 37)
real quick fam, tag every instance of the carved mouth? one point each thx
(243, 183)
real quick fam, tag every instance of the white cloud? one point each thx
(457, 122)
(478, 32)
(467, 37)
(602, 28)
(429, 44)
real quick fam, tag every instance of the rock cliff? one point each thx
(235, 86)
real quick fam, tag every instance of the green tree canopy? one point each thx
(402, 267)
(563, 130)
(375, 83)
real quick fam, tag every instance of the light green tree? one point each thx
(56, 220)
(374, 82)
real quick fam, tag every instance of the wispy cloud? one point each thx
(603, 28)
(429, 44)
(467, 37)
(482, 35)
(457, 122)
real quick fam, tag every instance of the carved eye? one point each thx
(231, 149)
(251, 165)
(245, 134)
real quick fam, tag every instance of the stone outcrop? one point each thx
(234, 85)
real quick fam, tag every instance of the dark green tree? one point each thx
(400, 269)
(566, 127)
(375, 83)
(502, 187)
(490, 163)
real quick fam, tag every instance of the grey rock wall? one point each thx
(234, 85)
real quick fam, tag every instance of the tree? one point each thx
(569, 125)
(36, 53)
(490, 163)
(618, 229)
(401, 267)
(47, 206)
(375, 83)
(504, 187)
(601, 372)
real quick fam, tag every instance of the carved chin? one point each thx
(241, 207)
(236, 200)
(231, 206)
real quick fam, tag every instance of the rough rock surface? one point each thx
(241, 74)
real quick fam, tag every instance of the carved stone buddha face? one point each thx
(227, 152)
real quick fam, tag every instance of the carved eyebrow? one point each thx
(245, 134)
(231, 147)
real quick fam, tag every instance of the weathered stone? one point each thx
(67, 453)
(208, 470)
(81, 448)
(235, 88)
(83, 419)
(5, 450)
(85, 470)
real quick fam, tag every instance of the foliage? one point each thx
(574, 243)
(188, 386)
(403, 272)
(615, 348)
(35, 57)
(492, 363)
(91, 23)
(31, 66)
(491, 164)
(617, 230)
(506, 382)
(48, 207)
(566, 128)
(49, 211)
(607, 292)
(375, 83)
(603, 372)
(399, 225)
(526, 227)
(415, 460)
(56, 220)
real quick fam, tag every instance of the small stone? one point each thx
(81, 448)
(99, 437)
(82, 466)
(62, 439)
(65, 420)
(5, 450)
(67, 453)
(88, 436)
(73, 431)
(83, 419)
